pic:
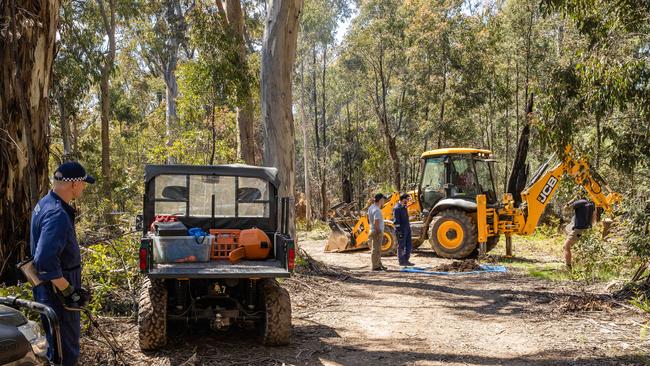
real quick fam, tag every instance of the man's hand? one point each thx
(74, 298)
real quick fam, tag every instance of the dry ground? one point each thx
(357, 317)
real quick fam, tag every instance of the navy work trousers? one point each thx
(69, 323)
(404, 247)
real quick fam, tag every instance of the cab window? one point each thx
(433, 181)
(484, 175)
(463, 178)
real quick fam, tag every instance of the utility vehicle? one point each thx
(233, 282)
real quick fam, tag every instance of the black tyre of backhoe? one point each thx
(152, 314)
(492, 242)
(389, 242)
(454, 221)
(275, 328)
(417, 243)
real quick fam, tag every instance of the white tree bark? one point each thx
(278, 56)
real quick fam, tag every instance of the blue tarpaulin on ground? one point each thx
(485, 268)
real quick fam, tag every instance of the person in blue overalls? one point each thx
(56, 256)
(403, 230)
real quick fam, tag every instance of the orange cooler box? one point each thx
(256, 243)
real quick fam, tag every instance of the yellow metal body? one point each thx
(523, 220)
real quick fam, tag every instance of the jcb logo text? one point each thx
(548, 188)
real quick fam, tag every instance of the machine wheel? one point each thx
(275, 329)
(152, 314)
(418, 243)
(492, 242)
(453, 234)
(389, 244)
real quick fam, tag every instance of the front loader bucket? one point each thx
(338, 241)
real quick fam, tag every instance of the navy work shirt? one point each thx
(401, 218)
(583, 212)
(55, 250)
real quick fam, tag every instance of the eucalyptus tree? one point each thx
(27, 39)
(162, 32)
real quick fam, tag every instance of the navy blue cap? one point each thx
(72, 171)
(404, 196)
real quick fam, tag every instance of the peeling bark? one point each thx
(27, 56)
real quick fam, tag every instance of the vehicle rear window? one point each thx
(192, 195)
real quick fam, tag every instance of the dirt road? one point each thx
(357, 317)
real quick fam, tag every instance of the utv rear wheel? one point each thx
(389, 242)
(275, 329)
(453, 234)
(152, 314)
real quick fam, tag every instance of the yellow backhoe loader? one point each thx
(457, 209)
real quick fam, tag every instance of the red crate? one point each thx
(225, 241)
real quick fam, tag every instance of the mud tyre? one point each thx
(389, 242)
(275, 328)
(492, 242)
(453, 234)
(417, 243)
(152, 314)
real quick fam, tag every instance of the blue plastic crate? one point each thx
(178, 249)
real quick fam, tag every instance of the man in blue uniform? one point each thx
(403, 230)
(56, 255)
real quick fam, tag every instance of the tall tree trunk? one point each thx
(109, 27)
(171, 115)
(278, 55)
(598, 141)
(324, 88)
(213, 127)
(65, 129)
(305, 145)
(245, 122)
(27, 56)
(314, 99)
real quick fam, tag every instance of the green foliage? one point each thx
(111, 270)
(596, 259)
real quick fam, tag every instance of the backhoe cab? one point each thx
(450, 182)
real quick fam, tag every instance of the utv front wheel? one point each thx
(152, 314)
(275, 328)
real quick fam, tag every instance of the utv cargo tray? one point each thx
(220, 269)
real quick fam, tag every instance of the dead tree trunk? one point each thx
(278, 55)
(27, 55)
(519, 174)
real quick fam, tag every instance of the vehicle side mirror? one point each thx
(139, 222)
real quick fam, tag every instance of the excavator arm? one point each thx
(540, 191)
(508, 219)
